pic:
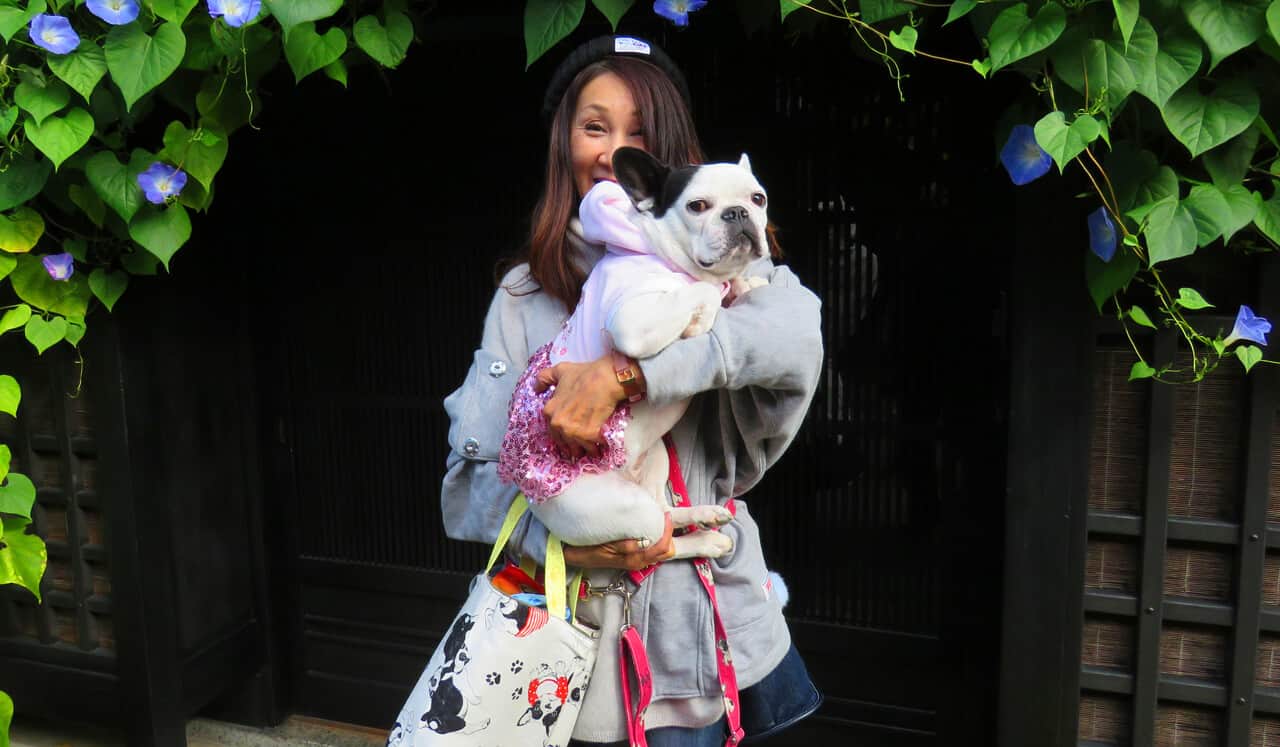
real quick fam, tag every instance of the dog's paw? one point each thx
(756, 282)
(704, 517)
(708, 544)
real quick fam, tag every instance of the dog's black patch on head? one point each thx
(639, 173)
(672, 188)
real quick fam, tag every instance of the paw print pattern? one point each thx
(516, 666)
(516, 693)
(493, 678)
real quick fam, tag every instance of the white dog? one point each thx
(690, 236)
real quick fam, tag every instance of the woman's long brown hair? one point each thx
(668, 133)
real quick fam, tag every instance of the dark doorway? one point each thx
(386, 210)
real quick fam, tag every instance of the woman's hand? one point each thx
(586, 395)
(626, 555)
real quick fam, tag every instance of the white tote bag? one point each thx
(506, 674)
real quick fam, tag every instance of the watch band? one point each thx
(625, 369)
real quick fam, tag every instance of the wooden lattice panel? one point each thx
(1264, 732)
(1185, 726)
(1193, 652)
(1197, 573)
(1107, 644)
(1118, 441)
(1105, 719)
(1112, 566)
(1206, 466)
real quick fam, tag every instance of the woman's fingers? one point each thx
(628, 555)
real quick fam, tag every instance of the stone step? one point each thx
(296, 731)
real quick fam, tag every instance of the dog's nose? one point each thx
(735, 214)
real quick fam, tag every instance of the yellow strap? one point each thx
(554, 580)
(529, 566)
(574, 585)
(518, 507)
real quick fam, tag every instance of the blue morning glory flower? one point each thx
(1023, 157)
(59, 266)
(161, 181)
(1248, 327)
(235, 12)
(114, 12)
(53, 33)
(1102, 234)
(677, 10)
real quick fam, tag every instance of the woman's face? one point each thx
(605, 120)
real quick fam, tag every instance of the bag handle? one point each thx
(554, 579)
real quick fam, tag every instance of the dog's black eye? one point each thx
(698, 206)
(758, 198)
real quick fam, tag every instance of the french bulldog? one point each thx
(707, 222)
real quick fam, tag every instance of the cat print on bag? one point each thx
(447, 705)
(549, 691)
(515, 618)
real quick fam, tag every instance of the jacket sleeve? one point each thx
(473, 500)
(764, 356)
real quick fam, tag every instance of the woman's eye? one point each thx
(593, 127)
(758, 198)
(697, 206)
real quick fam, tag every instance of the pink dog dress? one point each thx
(529, 458)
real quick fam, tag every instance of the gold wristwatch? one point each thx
(625, 370)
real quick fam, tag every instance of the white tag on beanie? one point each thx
(628, 45)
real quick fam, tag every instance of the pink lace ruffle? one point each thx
(531, 460)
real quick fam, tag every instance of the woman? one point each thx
(752, 378)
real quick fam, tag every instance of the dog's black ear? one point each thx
(640, 174)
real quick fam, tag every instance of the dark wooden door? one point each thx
(885, 515)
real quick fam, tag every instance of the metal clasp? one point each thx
(619, 587)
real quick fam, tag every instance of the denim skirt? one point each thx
(778, 701)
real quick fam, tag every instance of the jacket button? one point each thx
(497, 368)
(471, 447)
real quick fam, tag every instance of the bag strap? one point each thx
(554, 580)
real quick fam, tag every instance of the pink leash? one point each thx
(635, 661)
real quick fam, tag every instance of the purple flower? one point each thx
(59, 266)
(114, 12)
(677, 10)
(53, 33)
(1023, 157)
(1102, 234)
(235, 12)
(1248, 327)
(161, 181)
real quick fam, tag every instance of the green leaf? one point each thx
(959, 9)
(386, 44)
(45, 333)
(139, 62)
(547, 22)
(23, 179)
(58, 138)
(1267, 219)
(1273, 20)
(1140, 181)
(108, 286)
(15, 318)
(75, 332)
(1227, 26)
(224, 107)
(88, 201)
(1140, 317)
(7, 263)
(6, 717)
(1171, 231)
(13, 19)
(1097, 66)
(5, 458)
(32, 284)
(337, 70)
(1190, 298)
(1219, 212)
(982, 67)
(1126, 17)
(904, 39)
(199, 156)
(1062, 141)
(40, 99)
(1249, 356)
(291, 13)
(8, 118)
(82, 68)
(175, 11)
(140, 262)
(1141, 370)
(1014, 35)
(1177, 61)
(1105, 279)
(10, 394)
(1228, 163)
(20, 230)
(1203, 122)
(614, 10)
(874, 11)
(116, 183)
(23, 557)
(17, 495)
(308, 51)
(162, 231)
